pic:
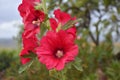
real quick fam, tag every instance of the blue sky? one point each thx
(9, 18)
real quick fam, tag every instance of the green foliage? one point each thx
(92, 58)
(6, 57)
(77, 64)
(113, 71)
(34, 72)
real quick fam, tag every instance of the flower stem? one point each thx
(46, 12)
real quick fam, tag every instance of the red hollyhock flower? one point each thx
(32, 22)
(71, 31)
(62, 17)
(56, 50)
(28, 12)
(31, 17)
(26, 5)
(29, 46)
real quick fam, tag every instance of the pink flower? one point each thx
(56, 50)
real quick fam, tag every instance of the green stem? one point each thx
(46, 12)
(44, 6)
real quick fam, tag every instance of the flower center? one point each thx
(59, 53)
(37, 22)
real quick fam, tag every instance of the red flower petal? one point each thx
(62, 16)
(51, 44)
(24, 60)
(53, 24)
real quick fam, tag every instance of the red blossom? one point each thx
(27, 5)
(72, 32)
(62, 17)
(29, 46)
(31, 18)
(34, 15)
(28, 12)
(56, 50)
(22, 59)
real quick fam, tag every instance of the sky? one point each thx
(9, 18)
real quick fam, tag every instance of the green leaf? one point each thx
(25, 66)
(77, 64)
(70, 23)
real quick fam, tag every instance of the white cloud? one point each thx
(9, 29)
(9, 10)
